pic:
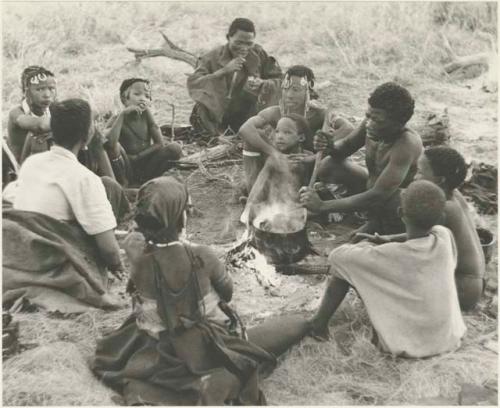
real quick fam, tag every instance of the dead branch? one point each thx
(168, 49)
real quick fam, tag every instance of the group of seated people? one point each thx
(415, 263)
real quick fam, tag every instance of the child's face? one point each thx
(42, 94)
(286, 137)
(138, 94)
(425, 172)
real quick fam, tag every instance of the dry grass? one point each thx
(346, 44)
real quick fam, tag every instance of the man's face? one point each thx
(42, 94)
(138, 94)
(294, 96)
(240, 43)
(380, 126)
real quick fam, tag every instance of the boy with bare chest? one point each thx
(134, 140)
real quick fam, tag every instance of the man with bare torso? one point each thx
(392, 152)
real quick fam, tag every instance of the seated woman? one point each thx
(176, 348)
(60, 229)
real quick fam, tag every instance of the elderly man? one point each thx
(60, 229)
(231, 80)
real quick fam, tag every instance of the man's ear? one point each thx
(441, 181)
(302, 138)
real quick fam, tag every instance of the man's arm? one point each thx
(387, 183)
(204, 71)
(109, 251)
(250, 130)
(219, 278)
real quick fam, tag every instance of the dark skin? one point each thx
(391, 150)
(39, 97)
(470, 263)
(212, 268)
(138, 117)
(294, 99)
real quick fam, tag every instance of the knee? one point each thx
(173, 151)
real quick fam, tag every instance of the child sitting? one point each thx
(408, 288)
(280, 181)
(134, 140)
(446, 167)
(29, 122)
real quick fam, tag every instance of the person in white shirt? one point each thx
(54, 184)
(408, 288)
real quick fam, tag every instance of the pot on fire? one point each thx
(279, 232)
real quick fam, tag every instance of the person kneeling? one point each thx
(407, 288)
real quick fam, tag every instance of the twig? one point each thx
(172, 126)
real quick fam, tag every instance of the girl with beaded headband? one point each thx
(29, 122)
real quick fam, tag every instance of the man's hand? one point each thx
(234, 65)
(310, 199)
(375, 238)
(299, 157)
(117, 271)
(323, 141)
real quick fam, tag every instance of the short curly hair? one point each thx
(127, 83)
(423, 203)
(300, 123)
(394, 99)
(448, 163)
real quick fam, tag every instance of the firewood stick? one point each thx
(317, 161)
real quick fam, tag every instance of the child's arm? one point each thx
(37, 124)
(153, 129)
(114, 129)
(26, 148)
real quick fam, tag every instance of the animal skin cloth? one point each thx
(54, 264)
(408, 290)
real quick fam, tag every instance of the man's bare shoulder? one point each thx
(410, 141)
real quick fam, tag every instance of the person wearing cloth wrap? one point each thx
(176, 348)
(133, 139)
(298, 97)
(29, 122)
(231, 81)
(60, 226)
(392, 152)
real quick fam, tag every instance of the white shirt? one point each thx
(54, 183)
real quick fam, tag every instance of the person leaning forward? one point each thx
(231, 80)
(60, 229)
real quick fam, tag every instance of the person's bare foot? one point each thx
(318, 332)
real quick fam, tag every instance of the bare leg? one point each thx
(333, 297)
(346, 172)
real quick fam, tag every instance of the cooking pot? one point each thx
(280, 248)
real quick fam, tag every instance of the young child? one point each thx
(446, 168)
(281, 180)
(29, 122)
(408, 288)
(134, 140)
